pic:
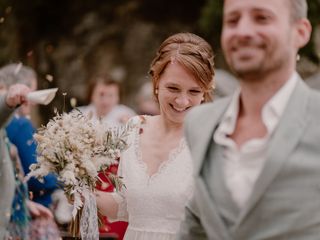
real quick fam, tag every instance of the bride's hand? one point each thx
(100, 195)
(106, 204)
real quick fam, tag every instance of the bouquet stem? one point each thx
(74, 227)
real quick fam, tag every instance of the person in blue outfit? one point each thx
(20, 132)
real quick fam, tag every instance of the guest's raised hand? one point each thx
(17, 95)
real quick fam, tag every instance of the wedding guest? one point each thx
(104, 97)
(257, 152)
(146, 102)
(20, 132)
(23, 209)
(9, 100)
(157, 168)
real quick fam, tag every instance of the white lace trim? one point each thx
(164, 165)
(89, 219)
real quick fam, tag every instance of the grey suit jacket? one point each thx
(7, 186)
(285, 203)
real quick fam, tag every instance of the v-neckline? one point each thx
(173, 153)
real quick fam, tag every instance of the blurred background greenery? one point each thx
(68, 42)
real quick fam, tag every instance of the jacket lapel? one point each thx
(205, 133)
(200, 153)
(210, 217)
(283, 142)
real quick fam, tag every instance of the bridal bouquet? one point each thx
(76, 150)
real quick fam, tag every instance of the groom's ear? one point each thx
(303, 32)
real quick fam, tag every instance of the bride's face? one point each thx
(178, 91)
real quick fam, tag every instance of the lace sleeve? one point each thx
(124, 169)
(120, 197)
(122, 214)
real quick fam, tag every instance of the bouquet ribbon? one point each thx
(89, 219)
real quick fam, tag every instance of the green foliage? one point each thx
(210, 21)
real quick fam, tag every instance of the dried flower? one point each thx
(75, 149)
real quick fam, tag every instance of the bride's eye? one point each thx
(195, 92)
(173, 89)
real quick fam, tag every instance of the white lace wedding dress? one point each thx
(153, 205)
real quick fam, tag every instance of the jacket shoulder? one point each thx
(314, 106)
(205, 112)
(202, 119)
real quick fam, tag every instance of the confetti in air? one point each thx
(64, 101)
(73, 102)
(49, 77)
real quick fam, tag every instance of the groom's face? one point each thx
(257, 35)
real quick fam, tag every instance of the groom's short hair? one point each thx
(298, 9)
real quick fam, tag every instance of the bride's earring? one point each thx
(156, 91)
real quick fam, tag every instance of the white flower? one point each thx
(68, 177)
(75, 149)
(92, 171)
(111, 151)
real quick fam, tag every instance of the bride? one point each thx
(157, 167)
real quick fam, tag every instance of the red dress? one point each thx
(116, 228)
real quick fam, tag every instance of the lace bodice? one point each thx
(156, 203)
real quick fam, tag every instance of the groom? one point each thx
(257, 154)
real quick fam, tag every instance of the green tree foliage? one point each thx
(210, 22)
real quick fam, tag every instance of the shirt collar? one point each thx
(271, 111)
(230, 117)
(279, 101)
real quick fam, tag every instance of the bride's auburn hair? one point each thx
(193, 53)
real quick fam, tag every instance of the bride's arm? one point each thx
(107, 204)
(114, 205)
